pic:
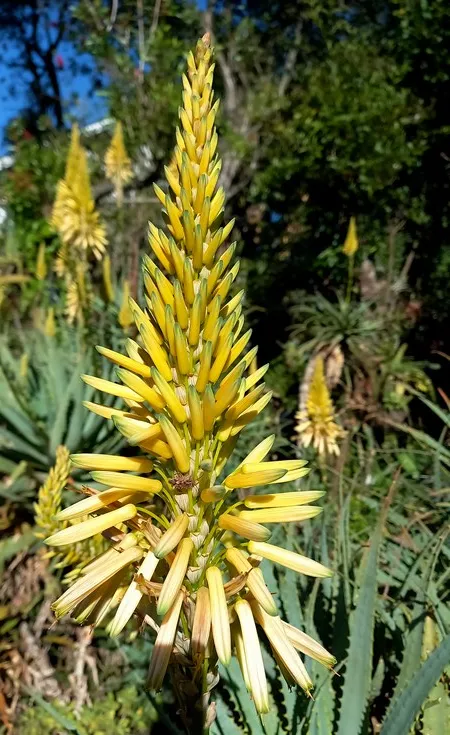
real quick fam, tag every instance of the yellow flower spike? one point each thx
(172, 537)
(141, 388)
(109, 462)
(93, 579)
(174, 580)
(190, 383)
(131, 482)
(196, 411)
(95, 502)
(289, 559)
(175, 443)
(114, 389)
(249, 479)
(118, 163)
(283, 500)
(253, 656)
(201, 625)
(247, 529)
(307, 645)
(281, 515)
(351, 243)
(279, 641)
(86, 529)
(316, 422)
(162, 649)
(171, 399)
(219, 615)
(181, 309)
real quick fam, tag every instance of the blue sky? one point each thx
(79, 100)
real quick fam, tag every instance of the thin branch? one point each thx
(113, 14)
(141, 37)
(291, 59)
(155, 19)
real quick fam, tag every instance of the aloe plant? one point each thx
(375, 614)
(43, 408)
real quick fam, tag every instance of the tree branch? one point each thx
(291, 59)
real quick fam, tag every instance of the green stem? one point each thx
(350, 279)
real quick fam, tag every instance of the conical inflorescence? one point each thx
(185, 553)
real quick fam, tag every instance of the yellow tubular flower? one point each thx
(189, 385)
(253, 656)
(315, 423)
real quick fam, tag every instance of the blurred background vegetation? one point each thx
(329, 111)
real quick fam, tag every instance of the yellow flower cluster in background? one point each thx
(189, 384)
(46, 510)
(74, 216)
(315, 423)
(351, 243)
(78, 224)
(118, 163)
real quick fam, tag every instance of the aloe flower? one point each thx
(315, 423)
(118, 163)
(183, 547)
(351, 243)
